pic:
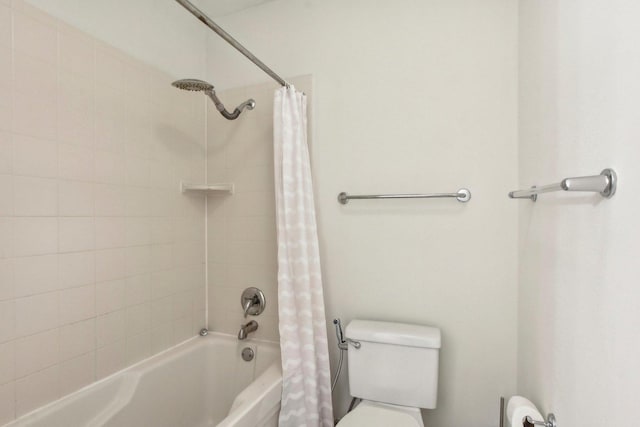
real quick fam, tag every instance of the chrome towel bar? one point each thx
(462, 195)
(605, 184)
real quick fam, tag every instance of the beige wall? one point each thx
(578, 309)
(410, 96)
(101, 257)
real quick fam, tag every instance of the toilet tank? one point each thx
(396, 363)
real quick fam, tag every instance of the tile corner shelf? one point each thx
(207, 188)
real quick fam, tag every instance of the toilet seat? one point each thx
(371, 414)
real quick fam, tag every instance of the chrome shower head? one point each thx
(194, 85)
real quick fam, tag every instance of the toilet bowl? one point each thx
(393, 368)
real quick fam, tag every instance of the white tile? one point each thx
(75, 198)
(161, 337)
(76, 52)
(161, 310)
(138, 260)
(163, 283)
(138, 319)
(6, 109)
(6, 237)
(162, 201)
(110, 296)
(77, 339)
(5, 26)
(183, 329)
(35, 38)
(6, 72)
(7, 362)
(35, 275)
(75, 234)
(161, 257)
(6, 195)
(137, 171)
(7, 320)
(7, 285)
(138, 289)
(138, 231)
(76, 269)
(110, 200)
(110, 232)
(182, 305)
(190, 253)
(110, 358)
(77, 373)
(109, 168)
(6, 151)
(109, 67)
(35, 196)
(35, 157)
(138, 347)
(75, 163)
(7, 402)
(137, 201)
(75, 126)
(77, 304)
(110, 328)
(162, 230)
(33, 78)
(35, 236)
(37, 389)
(108, 131)
(110, 264)
(75, 92)
(36, 314)
(29, 110)
(36, 352)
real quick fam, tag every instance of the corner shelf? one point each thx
(207, 188)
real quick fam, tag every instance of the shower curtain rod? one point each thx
(233, 42)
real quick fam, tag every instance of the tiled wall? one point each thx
(101, 257)
(242, 248)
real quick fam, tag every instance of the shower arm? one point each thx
(229, 39)
(250, 104)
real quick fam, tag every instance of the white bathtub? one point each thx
(202, 382)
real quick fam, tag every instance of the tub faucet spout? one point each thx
(245, 330)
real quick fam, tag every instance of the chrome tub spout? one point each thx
(246, 329)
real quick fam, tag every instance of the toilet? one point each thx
(393, 368)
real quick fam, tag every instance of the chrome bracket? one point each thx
(550, 422)
(354, 343)
(204, 332)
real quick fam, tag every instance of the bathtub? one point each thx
(202, 382)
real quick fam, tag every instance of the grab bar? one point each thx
(605, 184)
(462, 195)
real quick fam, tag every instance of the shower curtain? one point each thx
(306, 390)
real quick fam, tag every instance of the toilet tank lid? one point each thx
(393, 333)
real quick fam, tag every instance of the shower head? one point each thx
(196, 85)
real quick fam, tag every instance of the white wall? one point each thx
(410, 96)
(579, 113)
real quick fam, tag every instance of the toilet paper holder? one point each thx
(529, 422)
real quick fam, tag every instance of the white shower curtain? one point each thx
(306, 390)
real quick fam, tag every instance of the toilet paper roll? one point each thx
(518, 408)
